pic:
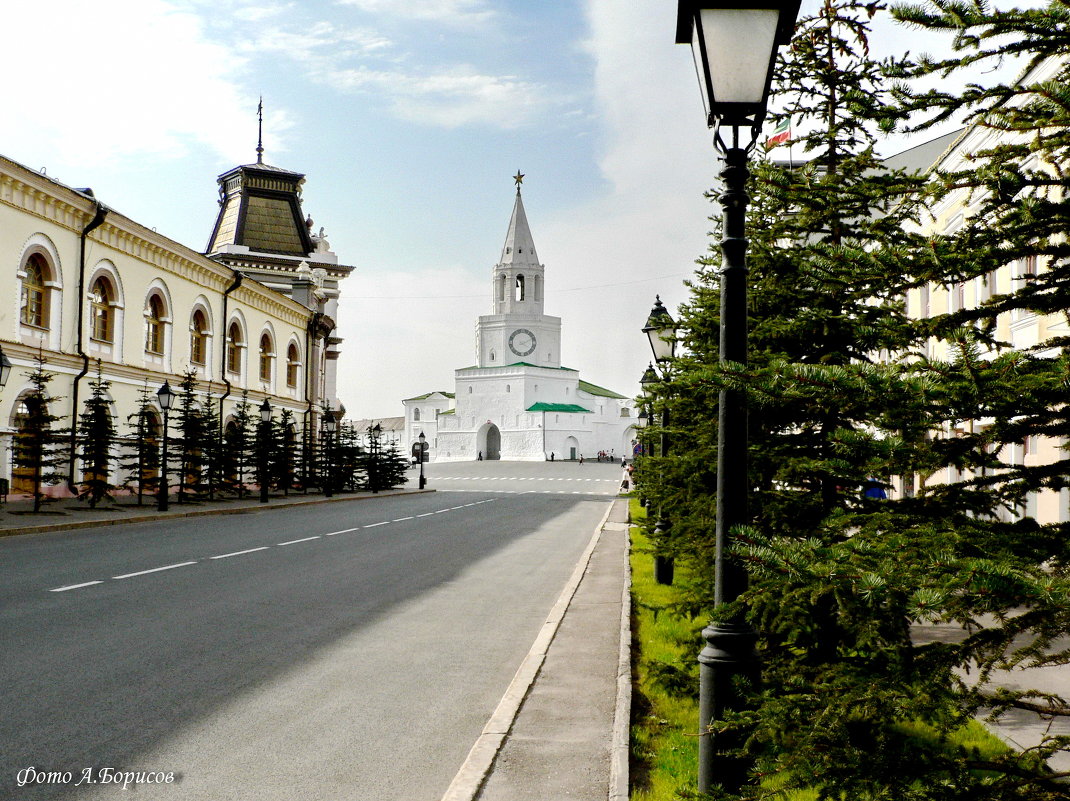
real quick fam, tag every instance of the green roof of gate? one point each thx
(594, 389)
(570, 408)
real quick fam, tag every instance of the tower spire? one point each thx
(260, 132)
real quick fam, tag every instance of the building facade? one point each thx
(518, 402)
(87, 286)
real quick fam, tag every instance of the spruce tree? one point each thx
(238, 439)
(37, 448)
(142, 459)
(97, 440)
(189, 438)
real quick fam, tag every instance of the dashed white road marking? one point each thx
(303, 539)
(240, 553)
(154, 570)
(67, 587)
(76, 586)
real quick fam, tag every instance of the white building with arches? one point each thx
(518, 402)
(82, 283)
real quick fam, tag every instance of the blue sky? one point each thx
(408, 119)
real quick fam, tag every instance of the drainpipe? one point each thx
(100, 211)
(238, 276)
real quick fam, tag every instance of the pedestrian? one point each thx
(581, 458)
(551, 456)
(479, 458)
(625, 481)
(623, 461)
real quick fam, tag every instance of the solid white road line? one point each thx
(305, 539)
(154, 570)
(76, 586)
(239, 553)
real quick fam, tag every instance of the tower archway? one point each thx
(489, 441)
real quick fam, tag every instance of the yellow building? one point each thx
(83, 283)
(1021, 328)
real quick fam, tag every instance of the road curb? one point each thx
(474, 770)
(620, 744)
(226, 510)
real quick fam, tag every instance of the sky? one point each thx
(409, 120)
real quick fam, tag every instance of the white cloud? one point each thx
(451, 12)
(134, 81)
(451, 98)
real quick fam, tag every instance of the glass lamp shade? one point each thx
(166, 396)
(5, 369)
(265, 411)
(660, 329)
(734, 45)
(329, 423)
(650, 377)
(422, 438)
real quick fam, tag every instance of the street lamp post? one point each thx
(660, 330)
(265, 429)
(166, 397)
(735, 46)
(374, 433)
(423, 445)
(329, 427)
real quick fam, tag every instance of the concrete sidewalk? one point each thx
(561, 730)
(62, 514)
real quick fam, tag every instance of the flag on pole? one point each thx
(781, 133)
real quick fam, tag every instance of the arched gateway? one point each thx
(489, 441)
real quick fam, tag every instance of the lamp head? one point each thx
(735, 43)
(265, 411)
(5, 369)
(660, 329)
(166, 396)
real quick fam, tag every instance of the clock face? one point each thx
(522, 342)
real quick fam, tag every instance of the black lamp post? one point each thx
(265, 430)
(423, 446)
(5, 369)
(735, 46)
(660, 330)
(330, 425)
(166, 397)
(374, 433)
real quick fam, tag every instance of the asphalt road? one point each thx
(340, 651)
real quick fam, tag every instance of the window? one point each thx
(34, 292)
(267, 356)
(416, 415)
(234, 345)
(520, 287)
(198, 338)
(501, 288)
(154, 329)
(293, 361)
(538, 288)
(101, 299)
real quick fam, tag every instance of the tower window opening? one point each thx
(520, 287)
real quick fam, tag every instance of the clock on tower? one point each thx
(522, 342)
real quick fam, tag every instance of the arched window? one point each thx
(416, 415)
(235, 342)
(538, 288)
(267, 356)
(101, 301)
(520, 287)
(155, 319)
(198, 338)
(35, 292)
(293, 362)
(501, 288)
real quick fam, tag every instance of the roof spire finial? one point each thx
(519, 178)
(260, 132)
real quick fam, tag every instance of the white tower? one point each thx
(518, 331)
